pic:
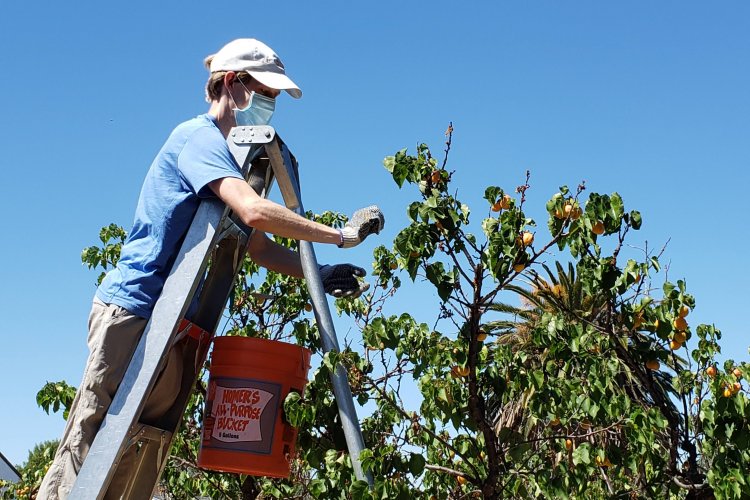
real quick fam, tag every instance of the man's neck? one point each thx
(223, 115)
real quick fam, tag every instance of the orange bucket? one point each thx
(244, 429)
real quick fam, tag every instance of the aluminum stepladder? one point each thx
(216, 235)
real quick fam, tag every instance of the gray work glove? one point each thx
(340, 280)
(363, 223)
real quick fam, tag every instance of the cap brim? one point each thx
(277, 81)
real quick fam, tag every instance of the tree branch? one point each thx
(692, 487)
(407, 416)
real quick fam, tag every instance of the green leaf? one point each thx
(517, 452)
(360, 490)
(635, 219)
(442, 395)
(538, 378)
(739, 403)
(492, 194)
(442, 280)
(581, 455)
(655, 264)
(416, 464)
(489, 226)
(318, 487)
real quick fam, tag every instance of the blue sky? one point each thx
(649, 99)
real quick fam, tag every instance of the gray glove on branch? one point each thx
(340, 280)
(363, 223)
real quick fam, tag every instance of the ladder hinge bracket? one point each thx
(258, 134)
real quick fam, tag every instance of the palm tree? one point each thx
(561, 294)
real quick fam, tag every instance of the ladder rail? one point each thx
(285, 172)
(217, 284)
(110, 442)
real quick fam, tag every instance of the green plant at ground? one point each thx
(31, 472)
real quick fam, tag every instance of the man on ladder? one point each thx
(246, 77)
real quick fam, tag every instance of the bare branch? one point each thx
(448, 470)
(449, 135)
(692, 487)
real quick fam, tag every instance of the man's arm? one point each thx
(339, 280)
(267, 253)
(269, 217)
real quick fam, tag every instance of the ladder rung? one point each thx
(150, 433)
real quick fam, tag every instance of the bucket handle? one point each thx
(302, 359)
(189, 329)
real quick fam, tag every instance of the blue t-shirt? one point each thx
(195, 154)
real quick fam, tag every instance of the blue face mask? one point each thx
(257, 112)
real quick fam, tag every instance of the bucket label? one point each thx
(238, 412)
(241, 414)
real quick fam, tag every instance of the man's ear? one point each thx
(229, 78)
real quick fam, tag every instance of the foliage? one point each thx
(32, 472)
(557, 367)
(106, 256)
(56, 395)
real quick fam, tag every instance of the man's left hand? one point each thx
(363, 223)
(340, 280)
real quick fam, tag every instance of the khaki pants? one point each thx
(113, 336)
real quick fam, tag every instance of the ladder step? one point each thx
(150, 433)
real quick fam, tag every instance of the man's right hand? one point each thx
(340, 280)
(363, 223)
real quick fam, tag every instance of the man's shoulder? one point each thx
(202, 126)
(193, 134)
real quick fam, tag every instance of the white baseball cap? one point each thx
(258, 59)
